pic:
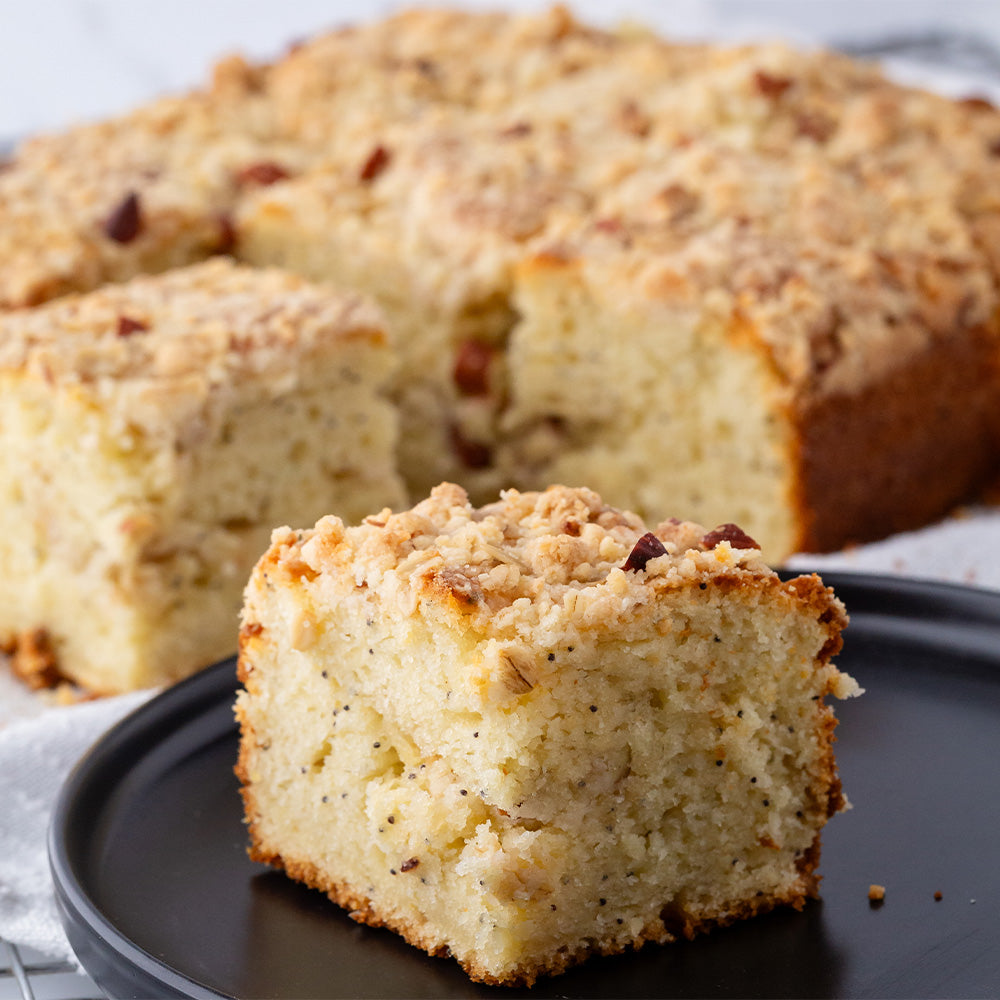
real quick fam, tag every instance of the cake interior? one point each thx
(667, 407)
(522, 809)
(130, 545)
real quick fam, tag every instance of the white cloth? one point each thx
(36, 754)
(961, 549)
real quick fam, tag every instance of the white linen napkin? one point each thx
(964, 548)
(36, 754)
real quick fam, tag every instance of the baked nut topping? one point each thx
(125, 223)
(376, 163)
(731, 533)
(264, 174)
(646, 548)
(471, 372)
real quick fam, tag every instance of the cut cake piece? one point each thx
(792, 390)
(153, 433)
(136, 194)
(534, 731)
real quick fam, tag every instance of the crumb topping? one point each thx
(508, 566)
(204, 320)
(836, 217)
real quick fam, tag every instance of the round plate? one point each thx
(159, 898)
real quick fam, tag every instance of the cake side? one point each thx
(526, 733)
(602, 385)
(153, 433)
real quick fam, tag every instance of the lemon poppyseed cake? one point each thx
(595, 251)
(153, 433)
(534, 731)
(779, 262)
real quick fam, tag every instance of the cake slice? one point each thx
(152, 435)
(536, 731)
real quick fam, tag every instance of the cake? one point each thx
(153, 433)
(751, 284)
(534, 731)
(748, 283)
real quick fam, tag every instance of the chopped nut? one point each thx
(464, 588)
(376, 163)
(516, 131)
(125, 223)
(648, 547)
(770, 85)
(731, 533)
(609, 225)
(471, 371)
(816, 126)
(127, 326)
(876, 894)
(227, 234)
(679, 201)
(634, 120)
(263, 174)
(472, 454)
(516, 673)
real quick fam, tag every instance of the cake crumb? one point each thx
(938, 896)
(876, 894)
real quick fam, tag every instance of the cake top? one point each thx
(131, 194)
(834, 216)
(839, 218)
(529, 563)
(160, 344)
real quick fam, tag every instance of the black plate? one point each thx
(159, 899)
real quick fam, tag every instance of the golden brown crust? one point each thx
(857, 483)
(672, 924)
